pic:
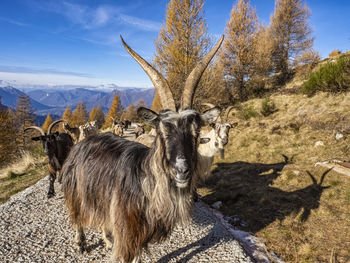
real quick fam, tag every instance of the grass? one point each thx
(277, 200)
(22, 173)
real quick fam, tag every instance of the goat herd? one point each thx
(137, 191)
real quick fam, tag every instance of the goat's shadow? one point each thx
(246, 192)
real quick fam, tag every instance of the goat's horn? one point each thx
(53, 124)
(159, 82)
(35, 128)
(227, 112)
(208, 104)
(312, 178)
(195, 75)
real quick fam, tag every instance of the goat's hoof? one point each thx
(81, 247)
(50, 195)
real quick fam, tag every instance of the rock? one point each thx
(319, 143)
(217, 205)
(339, 136)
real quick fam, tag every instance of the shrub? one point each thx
(331, 77)
(334, 53)
(245, 112)
(268, 107)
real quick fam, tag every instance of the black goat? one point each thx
(57, 147)
(137, 194)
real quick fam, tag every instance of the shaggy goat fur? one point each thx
(130, 190)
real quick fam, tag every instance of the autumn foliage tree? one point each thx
(47, 123)
(24, 117)
(79, 116)
(7, 135)
(181, 43)
(114, 111)
(291, 34)
(156, 104)
(97, 115)
(130, 114)
(238, 52)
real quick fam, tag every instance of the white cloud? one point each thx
(55, 79)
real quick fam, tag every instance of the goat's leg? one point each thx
(136, 259)
(52, 178)
(106, 235)
(80, 239)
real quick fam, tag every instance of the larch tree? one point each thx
(291, 33)
(8, 144)
(97, 115)
(67, 114)
(130, 114)
(156, 104)
(239, 48)
(114, 111)
(24, 117)
(79, 116)
(181, 43)
(92, 115)
(47, 123)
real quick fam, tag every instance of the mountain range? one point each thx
(54, 101)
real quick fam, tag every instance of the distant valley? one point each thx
(54, 101)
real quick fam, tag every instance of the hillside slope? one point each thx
(267, 183)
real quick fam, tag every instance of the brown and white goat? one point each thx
(87, 129)
(132, 192)
(57, 147)
(139, 130)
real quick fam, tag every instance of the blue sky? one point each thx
(77, 41)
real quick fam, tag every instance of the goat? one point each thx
(74, 132)
(118, 129)
(211, 142)
(57, 147)
(134, 193)
(127, 124)
(139, 130)
(88, 129)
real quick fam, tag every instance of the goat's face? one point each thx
(49, 143)
(221, 135)
(179, 135)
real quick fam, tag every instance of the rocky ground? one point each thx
(35, 229)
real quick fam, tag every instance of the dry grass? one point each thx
(277, 200)
(23, 172)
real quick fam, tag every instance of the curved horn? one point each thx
(53, 124)
(195, 76)
(35, 128)
(227, 112)
(159, 82)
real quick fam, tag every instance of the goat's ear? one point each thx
(211, 115)
(148, 116)
(204, 140)
(233, 124)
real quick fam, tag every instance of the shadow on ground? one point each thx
(247, 192)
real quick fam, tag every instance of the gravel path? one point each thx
(34, 229)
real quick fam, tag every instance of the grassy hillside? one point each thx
(266, 180)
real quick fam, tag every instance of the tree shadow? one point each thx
(246, 191)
